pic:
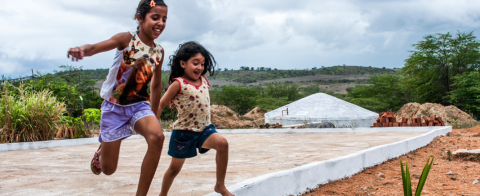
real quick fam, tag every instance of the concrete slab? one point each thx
(65, 170)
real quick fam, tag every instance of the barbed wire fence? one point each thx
(33, 76)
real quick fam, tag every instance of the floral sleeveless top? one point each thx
(193, 105)
(127, 83)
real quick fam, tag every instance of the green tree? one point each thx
(384, 93)
(277, 90)
(310, 89)
(270, 103)
(467, 92)
(239, 98)
(436, 60)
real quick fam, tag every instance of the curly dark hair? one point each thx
(186, 51)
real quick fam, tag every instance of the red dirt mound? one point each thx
(257, 115)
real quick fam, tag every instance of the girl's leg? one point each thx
(170, 174)
(220, 144)
(149, 127)
(109, 153)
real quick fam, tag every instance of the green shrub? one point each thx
(270, 103)
(92, 117)
(29, 116)
(239, 98)
(277, 90)
(310, 90)
(169, 114)
(77, 125)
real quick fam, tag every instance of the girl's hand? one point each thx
(119, 41)
(77, 53)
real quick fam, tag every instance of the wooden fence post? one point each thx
(33, 80)
(3, 82)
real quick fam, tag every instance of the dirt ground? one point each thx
(465, 172)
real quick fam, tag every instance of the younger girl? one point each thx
(188, 92)
(138, 61)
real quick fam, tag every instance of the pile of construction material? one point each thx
(225, 118)
(267, 126)
(450, 114)
(387, 119)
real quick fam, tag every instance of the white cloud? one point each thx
(270, 33)
(10, 68)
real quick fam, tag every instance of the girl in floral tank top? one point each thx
(193, 105)
(188, 93)
(127, 106)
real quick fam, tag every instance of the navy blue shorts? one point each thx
(184, 144)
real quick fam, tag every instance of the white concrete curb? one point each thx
(56, 143)
(86, 141)
(301, 179)
(330, 130)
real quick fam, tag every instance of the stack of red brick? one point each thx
(387, 119)
(266, 126)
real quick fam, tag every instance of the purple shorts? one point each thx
(118, 122)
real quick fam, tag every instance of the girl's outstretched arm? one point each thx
(156, 86)
(172, 90)
(119, 41)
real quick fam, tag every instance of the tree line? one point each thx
(442, 68)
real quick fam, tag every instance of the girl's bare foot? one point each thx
(222, 190)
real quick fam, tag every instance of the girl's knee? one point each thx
(108, 170)
(156, 139)
(174, 171)
(222, 144)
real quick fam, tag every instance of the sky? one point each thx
(36, 34)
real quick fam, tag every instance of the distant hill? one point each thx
(97, 74)
(268, 74)
(253, 76)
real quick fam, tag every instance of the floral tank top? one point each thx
(127, 83)
(193, 105)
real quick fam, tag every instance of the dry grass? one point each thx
(29, 116)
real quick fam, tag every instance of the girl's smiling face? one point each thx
(154, 22)
(193, 68)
